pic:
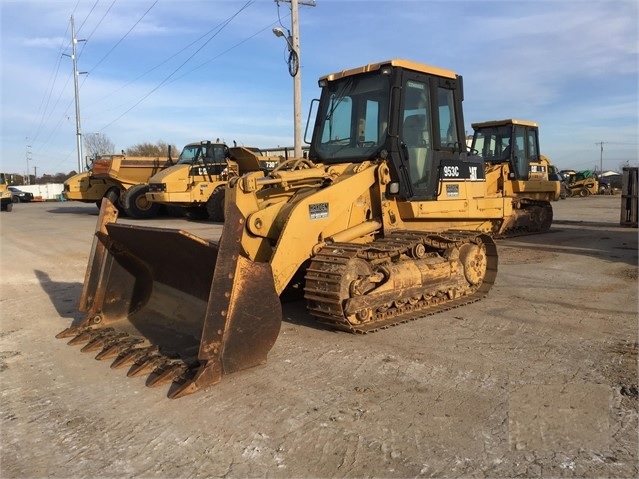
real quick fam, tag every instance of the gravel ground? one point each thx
(537, 380)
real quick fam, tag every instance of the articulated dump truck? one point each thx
(389, 219)
(196, 183)
(119, 178)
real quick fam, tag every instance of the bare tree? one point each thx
(160, 149)
(98, 144)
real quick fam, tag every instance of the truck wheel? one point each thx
(195, 213)
(215, 205)
(583, 192)
(136, 205)
(113, 195)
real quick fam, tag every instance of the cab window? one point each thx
(447, 119)
(416, 131)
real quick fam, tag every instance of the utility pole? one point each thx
(294, 70)
(28, 157)
(601, 144)
(78, 129)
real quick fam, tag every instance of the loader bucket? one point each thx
(175, 306)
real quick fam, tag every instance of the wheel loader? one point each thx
(388, 220)
(196, 182)
(515, 169)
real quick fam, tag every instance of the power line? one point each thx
(96, 27)
(121, 39)
(52, 80)
(87, 17)
(103, 58)
(246, 5)
(218, 26)
(268, 27)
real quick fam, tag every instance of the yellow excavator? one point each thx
(389, 219)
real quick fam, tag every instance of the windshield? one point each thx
(353, 118)
(492, 142)
(214, 153)
(189, 154)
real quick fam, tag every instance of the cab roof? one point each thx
(406, 64)
(509, 121)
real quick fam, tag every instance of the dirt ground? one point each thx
(539, 379)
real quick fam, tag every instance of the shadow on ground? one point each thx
(63, 296)
(615, 244)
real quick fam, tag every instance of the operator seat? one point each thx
(415, 134)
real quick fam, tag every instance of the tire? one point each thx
(215, 205)
(136, 205)
(15, 199)
(7, 207)
(583, 192)
(113, 195)
(196, 213)
(171, 211)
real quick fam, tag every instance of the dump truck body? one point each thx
(384, 223)
(82, 187)
(196, 182)
(120, 178)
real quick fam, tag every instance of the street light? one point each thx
(292, 41)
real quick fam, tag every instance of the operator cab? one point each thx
(400, 111)
(206, 158)
(510, 141)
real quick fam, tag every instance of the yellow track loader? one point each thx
(387, 220)
(516, 170)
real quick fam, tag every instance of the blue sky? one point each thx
(182, 71)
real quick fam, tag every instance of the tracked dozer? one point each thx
(517, 171)
(387, 220)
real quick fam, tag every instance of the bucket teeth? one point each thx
(100, 341)
(146, 364)
(89, 334)
(68, 332)
(167, 374)
(132, 355)
(121, 345)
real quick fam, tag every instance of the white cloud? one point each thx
(570, 65)
(43, 42)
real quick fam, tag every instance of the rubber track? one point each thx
(323, 278)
